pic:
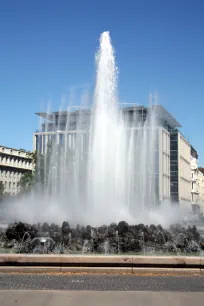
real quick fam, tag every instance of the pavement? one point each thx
(98, 290)
(93, 298)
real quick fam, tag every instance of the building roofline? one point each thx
(159, 110)
(10, 148)
(164, 114)
(201, 169)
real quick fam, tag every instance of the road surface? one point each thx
(98, 290)
(101, 282)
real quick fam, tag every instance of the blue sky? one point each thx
(47, 53)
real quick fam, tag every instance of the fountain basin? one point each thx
(135, 265)
(64, 263)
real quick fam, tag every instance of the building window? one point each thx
(174, 137)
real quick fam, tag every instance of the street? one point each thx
(92, 290)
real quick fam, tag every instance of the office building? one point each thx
(173, 158)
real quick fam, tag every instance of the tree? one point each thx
(26, 181)
(28, 178)
(39, 175)
(1, 189)
(33, 155)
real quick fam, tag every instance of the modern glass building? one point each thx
(172, 162)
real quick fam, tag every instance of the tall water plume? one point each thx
(107, 152)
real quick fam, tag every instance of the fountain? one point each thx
(42, 245)
(101, 161)
(102, 170)
(130, 239)
(26, 234)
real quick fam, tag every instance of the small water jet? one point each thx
(128, 239)
(26, 234)
(42, 245)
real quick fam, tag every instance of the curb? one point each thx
(101, 271)
(135, 265)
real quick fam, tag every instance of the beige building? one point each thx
(164, 165)
(200, 186)
(184, 170)
(194, 179)
(173, 165)
(13, 164)
(197, 184)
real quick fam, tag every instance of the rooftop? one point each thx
(165, 115)
(16, 152)
(201, 169)
(160, 111)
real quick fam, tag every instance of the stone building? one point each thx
(194, 179)
(13, 164)
(197, 184)
(201, 189)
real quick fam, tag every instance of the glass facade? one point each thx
(60, 128)
(174, 166)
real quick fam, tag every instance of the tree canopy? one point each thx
(1, 189)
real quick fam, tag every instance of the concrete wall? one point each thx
(164, 164)
(41, 140)
(184, 170)
(194, 180)
(200, 186)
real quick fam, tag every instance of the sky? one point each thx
(47, 57)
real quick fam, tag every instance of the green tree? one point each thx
(39, 175)
(1, 189)
(26, 182)
(28, 178)
(33, 155)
